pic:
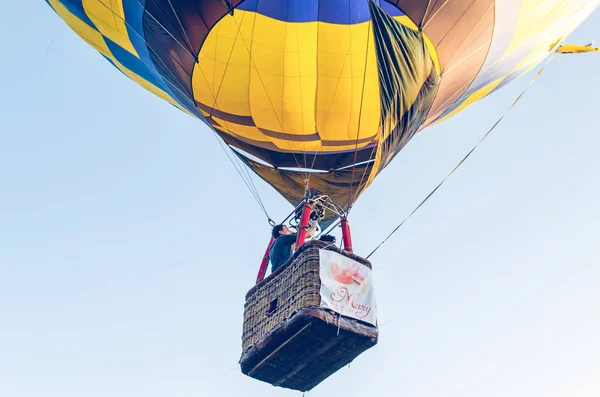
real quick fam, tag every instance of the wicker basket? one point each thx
(288, 339)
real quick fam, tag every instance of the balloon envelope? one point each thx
(322, 92)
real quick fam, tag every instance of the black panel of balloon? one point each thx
(309, 318)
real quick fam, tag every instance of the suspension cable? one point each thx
(247, 180)
(461, 162)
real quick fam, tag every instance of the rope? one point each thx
(362, 97)
(334, 96)
(54, 39)
(248, 182)
(241, 168)
(537, 75)
(253, 64)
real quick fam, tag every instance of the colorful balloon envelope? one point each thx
(322, 93)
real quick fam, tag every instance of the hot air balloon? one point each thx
(320, 96)
(322, 93)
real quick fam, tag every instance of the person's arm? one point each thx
(310, 232)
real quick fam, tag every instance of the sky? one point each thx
(128, 240)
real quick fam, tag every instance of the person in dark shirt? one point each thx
(284, 245)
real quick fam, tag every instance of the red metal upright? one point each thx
(304, 224)
(346, 237)
(265, 261)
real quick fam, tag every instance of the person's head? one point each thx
(280, 230)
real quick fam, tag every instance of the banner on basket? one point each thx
(346, 287)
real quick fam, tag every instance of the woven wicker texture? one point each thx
(306, 354)
(295, 287)
(295, 343)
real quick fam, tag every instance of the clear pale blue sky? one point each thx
(128, 241)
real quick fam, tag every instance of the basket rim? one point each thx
(306, 246)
